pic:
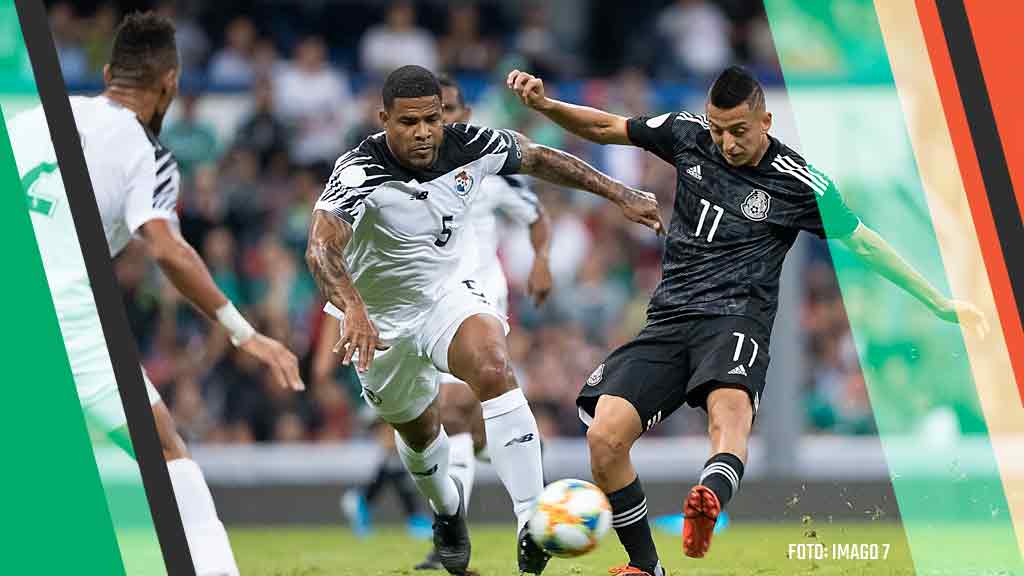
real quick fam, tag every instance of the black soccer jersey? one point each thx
(732, 226)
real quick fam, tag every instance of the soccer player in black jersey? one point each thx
(742, 197)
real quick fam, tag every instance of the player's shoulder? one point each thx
(796, 170)
(677, 126)
(99, 114)
(464, 141)
(367, 165)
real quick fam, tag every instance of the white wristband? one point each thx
(237, 326)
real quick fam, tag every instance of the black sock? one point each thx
(380, 478)
(629, 518)
(722, 474)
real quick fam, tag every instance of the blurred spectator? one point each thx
(369, 120)
(261, 132)
(233, 64)
(192, 140)
(397, 42)
(193, 44)
(99, 38)
(537, 42)
(698, 35)
(266, 62)
(312, 98)
(67, 39)
(462, 49)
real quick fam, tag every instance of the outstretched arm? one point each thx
(567, 170)
(538, 285)
(874, 251)
(325, 256)
(187, 272)
(589, 123)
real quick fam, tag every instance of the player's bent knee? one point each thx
(730, 408)
(492, 376)
(607, 447)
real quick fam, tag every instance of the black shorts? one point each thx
(668, 365)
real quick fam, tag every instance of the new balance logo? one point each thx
(521, 440)
(739, 370)
(424, 474)
(695, 172)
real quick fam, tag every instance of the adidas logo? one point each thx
(739, 370)
(695, 172)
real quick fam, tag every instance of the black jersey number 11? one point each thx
(446, 232)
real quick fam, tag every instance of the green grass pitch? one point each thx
(746, 549)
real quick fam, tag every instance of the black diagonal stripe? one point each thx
(163, 187)
(167, 165)
(123, 353)
(987, 145)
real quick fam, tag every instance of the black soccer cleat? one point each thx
(451, 537)
(432, 562)
(532, 558)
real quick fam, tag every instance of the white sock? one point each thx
(430, 472)
(207, 539)
(514, 445)
(462, 463)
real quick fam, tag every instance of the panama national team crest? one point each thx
(595, 378)
(756, 205)
(463, 183)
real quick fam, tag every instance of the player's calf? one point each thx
(612, 432)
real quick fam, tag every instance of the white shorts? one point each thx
(403, 380)
(101, 399)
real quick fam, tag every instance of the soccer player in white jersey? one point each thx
(135, 181)
(508, 196)
(386, 247)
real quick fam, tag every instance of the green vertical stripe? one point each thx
(55, 512)
(926, 407)
(68, 511)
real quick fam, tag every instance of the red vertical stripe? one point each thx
(995, 27)
(981, 213)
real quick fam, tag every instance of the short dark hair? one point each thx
(144, 49)
(409, 82)
(735, 86)
(447, 81)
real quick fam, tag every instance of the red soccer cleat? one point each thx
(700, 512)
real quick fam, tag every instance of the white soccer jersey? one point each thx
(135, 180)
(412, 229)
(512, 197)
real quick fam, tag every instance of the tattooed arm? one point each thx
(325, 256)
(567, 170)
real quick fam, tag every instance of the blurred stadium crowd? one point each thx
(311, 72)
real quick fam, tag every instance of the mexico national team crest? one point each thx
(595, 378)
(463, 183)
(756, 205)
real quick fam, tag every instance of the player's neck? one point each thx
(766, 143)
(141, 102)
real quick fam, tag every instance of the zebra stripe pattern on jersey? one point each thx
(165, 194)
(787, 165)
(702, 119)
(354, 177)
(497, 141)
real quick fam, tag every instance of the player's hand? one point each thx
(967, 314)
(358, 334)
(642, 208)
(538, 285)
(284, 366)
(528, 87)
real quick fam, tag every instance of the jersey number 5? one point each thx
(446, 232)
(703, 214)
